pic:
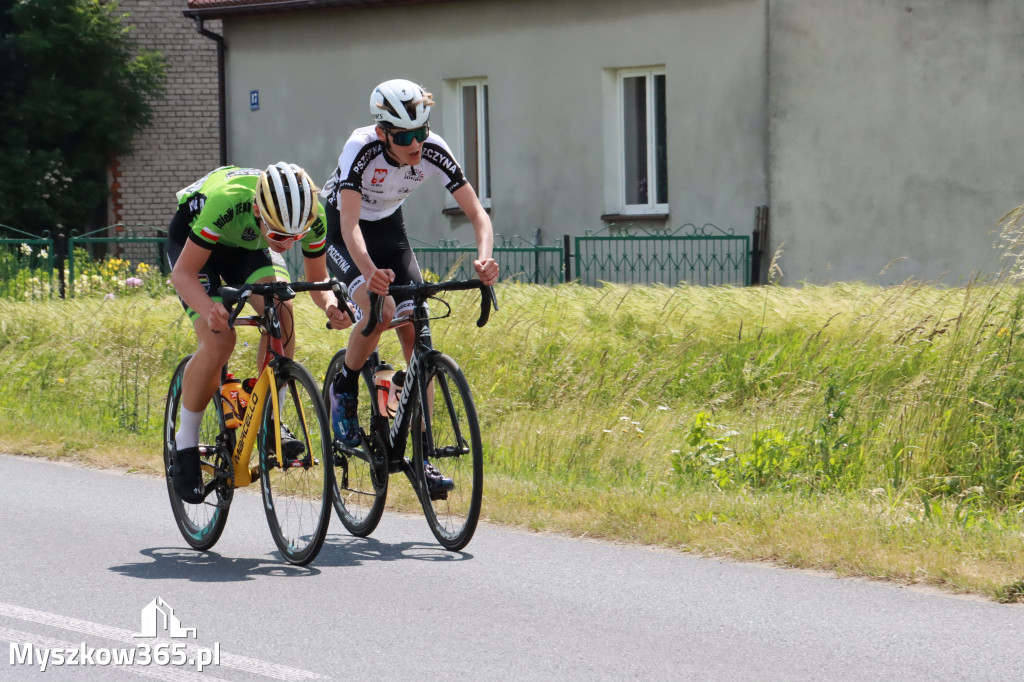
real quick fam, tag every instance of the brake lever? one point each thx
(376, 309)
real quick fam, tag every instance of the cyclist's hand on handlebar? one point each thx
(336, 317)
(487, 269)
(379, 280)
(217, 318)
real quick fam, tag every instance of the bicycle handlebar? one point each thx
(235, 298)
(421, 292)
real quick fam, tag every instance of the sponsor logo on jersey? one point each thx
(370, 152)
(250, 235)
(367, 199)
(338, 259)
(414, 173)
(242, 172)
(437, 156)
(379, 176)
(225, 218)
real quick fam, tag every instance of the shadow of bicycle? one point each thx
(176, 563)
(343, 550)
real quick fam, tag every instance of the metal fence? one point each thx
(135, 243)
(704, 255)
(26, 265)
(519, 260)
(40, 267)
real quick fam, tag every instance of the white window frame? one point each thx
(652, 206)
(481, 155)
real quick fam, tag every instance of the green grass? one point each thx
(864, 430)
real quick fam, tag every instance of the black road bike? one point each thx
(435, 408)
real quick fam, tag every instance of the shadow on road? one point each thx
(351, 551)
(170, 563)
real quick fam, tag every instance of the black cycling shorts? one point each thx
(227, 265)
(388, 246)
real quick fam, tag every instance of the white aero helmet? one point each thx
(287, 198)
(399, 103)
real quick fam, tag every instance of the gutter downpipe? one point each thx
(221, 99)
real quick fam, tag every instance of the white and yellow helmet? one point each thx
(287, 198)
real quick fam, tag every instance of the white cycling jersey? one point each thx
(364, 167)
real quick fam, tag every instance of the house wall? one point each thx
(549, 68)
(182, 143)
(894, 128)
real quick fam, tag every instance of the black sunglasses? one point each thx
(404, 138)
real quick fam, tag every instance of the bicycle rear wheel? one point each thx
(200, 524)
(298, 481)
(360, 493)
(453, 445)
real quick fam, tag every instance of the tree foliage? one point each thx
(73, 91)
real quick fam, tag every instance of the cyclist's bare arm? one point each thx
(185, 279)
(485, 266)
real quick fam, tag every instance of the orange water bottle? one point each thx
(229, 391)
(246, 393)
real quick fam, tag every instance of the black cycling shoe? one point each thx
(187, 476)
(438, 485)
(291, 447)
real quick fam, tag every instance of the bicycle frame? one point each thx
(398, 431)
(244, 436)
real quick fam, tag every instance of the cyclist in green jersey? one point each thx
(231, 228)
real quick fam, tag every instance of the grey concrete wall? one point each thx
(894, 130)
(548, 66)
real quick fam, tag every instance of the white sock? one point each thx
(188, 428)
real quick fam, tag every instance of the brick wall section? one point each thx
(182, 142)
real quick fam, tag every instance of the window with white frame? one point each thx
(473, 135)
(643, 155)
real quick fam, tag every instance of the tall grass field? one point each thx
(863, 430)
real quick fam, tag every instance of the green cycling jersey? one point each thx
(220, 205)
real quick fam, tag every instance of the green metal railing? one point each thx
(26, 265)
(137, 243)
(528, 263)
(35, 267)
(704, 255)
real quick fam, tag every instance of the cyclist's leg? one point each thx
(200, 376)
(344, 396)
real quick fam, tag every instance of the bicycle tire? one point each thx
(360, 493)
(200, 524)
(456, 450)
(297, 488)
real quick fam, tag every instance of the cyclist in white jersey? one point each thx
(379, 166)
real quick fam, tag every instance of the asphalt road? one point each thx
(85, 553)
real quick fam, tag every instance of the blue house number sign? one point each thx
(254, 100)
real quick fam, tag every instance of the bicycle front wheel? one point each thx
(452, 444)
(360, 490)
(297, 480)
(200, 524)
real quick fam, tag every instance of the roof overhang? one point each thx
(215, 9)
